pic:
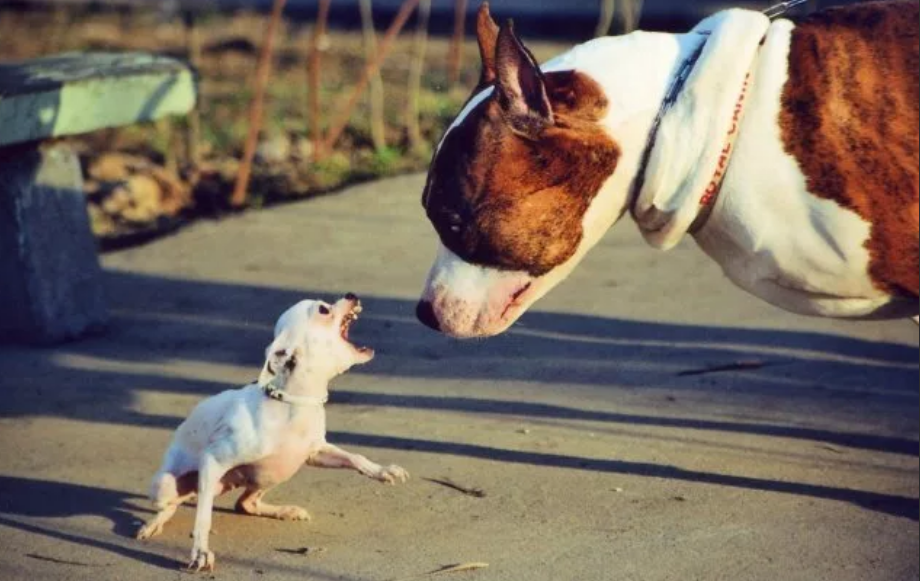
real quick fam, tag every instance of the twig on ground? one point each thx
(833, 449)
(469, 491)
(458, 568)
(737, 366)
(304, 551)
(64, 561)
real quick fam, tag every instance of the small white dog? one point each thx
(258, 436)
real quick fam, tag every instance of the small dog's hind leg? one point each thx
(331, 456)
(251, 503)
(168, 493)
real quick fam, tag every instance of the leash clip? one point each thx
(778, 10)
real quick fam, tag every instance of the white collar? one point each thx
(679, 176)
(271, 391)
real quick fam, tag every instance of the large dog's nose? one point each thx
(351, 297)
(425, 313)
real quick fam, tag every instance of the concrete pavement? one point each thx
(606, 446)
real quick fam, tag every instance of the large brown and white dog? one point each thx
(789, 152)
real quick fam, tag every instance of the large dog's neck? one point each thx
(635, 88)
(673, 155)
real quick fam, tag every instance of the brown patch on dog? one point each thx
(506, 200)
(851, 109)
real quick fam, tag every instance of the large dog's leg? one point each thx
(331, 456)
(251, 503)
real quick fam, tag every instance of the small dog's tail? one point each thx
(163, 489)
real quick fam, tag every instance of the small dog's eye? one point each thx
(324, 310)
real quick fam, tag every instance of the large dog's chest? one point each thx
(819, 209)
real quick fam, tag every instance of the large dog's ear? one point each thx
(520, 88)
(487, 35)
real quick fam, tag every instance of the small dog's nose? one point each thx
(351, 297)
(425, 313)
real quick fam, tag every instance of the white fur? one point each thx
(242, 437)
(771, 236)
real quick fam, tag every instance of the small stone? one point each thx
(274, 149)
(303, 149)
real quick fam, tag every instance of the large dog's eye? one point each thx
(324, 310)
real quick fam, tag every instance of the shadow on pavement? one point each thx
(160, 322)
(32, 498)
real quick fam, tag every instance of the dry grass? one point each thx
(229, 53)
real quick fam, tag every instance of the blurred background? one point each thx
(331, 116)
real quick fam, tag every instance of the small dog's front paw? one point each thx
(291, 512)
(392, 474)
(202, 560)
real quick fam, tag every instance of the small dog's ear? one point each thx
(277, 358)
(291, 362)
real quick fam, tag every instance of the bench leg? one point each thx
(50, 279)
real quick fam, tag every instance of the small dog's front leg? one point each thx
(209, 474)
(330, 456)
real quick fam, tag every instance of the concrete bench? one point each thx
(50, 279)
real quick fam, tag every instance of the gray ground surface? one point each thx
(600, 460)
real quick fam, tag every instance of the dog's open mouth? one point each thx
(347, 321)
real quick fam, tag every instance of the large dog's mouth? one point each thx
(517, 298)
(465, 300)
